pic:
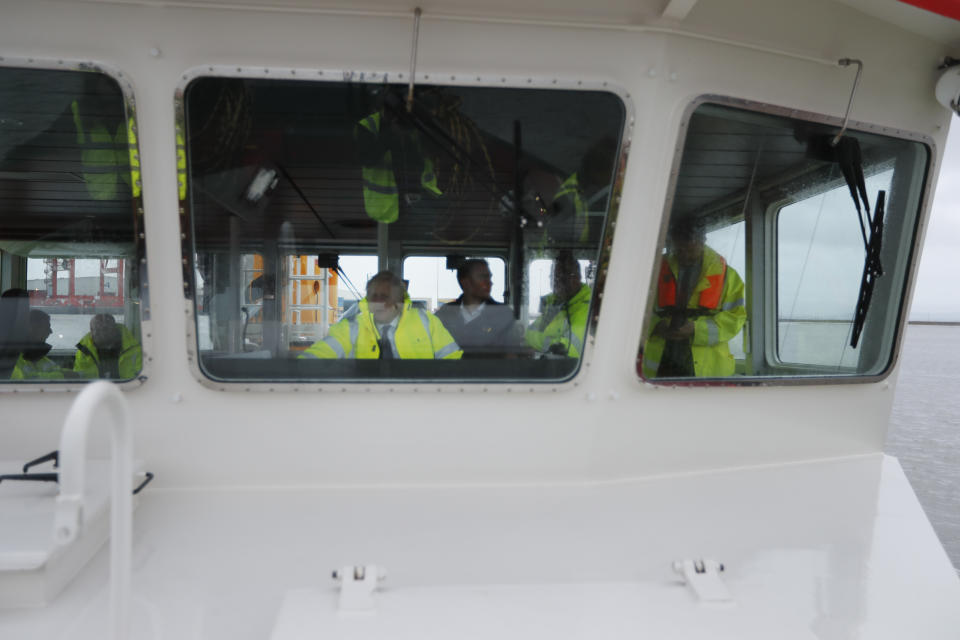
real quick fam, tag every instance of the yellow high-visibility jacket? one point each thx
(381, 197)
(42, 369)
(719, 297)
(570, 188)
(87, 360)
(419, 335)
(109, 159)
(561, 324)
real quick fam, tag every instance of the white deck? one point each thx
(33, 567)
(836, 549)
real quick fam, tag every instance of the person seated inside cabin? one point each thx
(699, 309)
(14, 328)
(33, 363)
(109, 351)
(480, 325)
(386, 325)
(562, 325)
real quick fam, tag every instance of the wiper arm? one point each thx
(847, 154)
(872, 269)
(850, 159)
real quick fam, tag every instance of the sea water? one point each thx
(925, 425)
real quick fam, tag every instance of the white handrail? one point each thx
(68, 517)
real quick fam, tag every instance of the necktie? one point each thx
(386, 349)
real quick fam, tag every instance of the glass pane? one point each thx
(786, 250)
(820, 259)
(325, 181)
(69, 175)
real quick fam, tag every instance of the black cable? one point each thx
(353, 289)
(303, 197)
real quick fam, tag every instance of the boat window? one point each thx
(785, 250)
(70, 228)
(358, 210)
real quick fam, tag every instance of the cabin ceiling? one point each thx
(729, 155)
(318, 201)
(306, 132)
(43, 195)
(721, 156)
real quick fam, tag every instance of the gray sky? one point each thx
(940, 266)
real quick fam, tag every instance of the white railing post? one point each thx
(68, 517)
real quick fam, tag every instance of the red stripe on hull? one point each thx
(948, 8)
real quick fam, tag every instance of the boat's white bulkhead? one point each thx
(573, 467)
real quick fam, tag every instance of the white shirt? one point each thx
(387, 330)
(470, 316)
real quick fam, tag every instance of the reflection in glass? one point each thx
(820, 257)
(385, 325)
(561, 325)
(699, 309)
(69, 173)
(315, 177)
(780, 259)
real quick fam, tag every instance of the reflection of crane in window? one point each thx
(76, 283)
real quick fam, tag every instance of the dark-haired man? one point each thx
(480, 324)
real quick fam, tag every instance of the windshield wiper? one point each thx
(849, 157)
(872, 269)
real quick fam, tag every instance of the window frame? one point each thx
(767, 287)
(139, 258)
(490, 81)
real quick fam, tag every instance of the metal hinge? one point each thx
(703, 578)
(357, 585)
